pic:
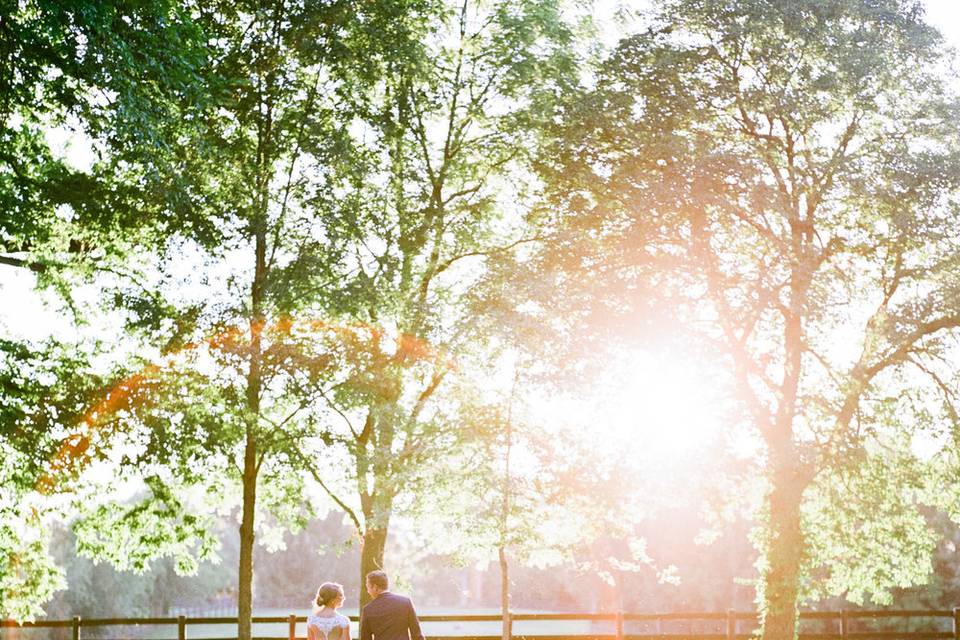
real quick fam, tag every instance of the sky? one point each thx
(945, 15)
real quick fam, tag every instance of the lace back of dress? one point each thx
(328, 628)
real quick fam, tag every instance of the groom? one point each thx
(388, 616)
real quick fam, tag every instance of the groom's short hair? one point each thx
(378, 579)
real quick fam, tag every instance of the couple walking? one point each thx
(387, 617)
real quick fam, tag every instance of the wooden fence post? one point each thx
(731, 625)
(844, 623)
(76, 627)
(956, 623)
(619, 625)
(292, 627)
(181, 627)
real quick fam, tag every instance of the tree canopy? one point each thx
(793, 168)
(323, 227)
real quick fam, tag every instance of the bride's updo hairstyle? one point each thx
(328, 593)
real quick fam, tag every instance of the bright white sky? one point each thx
(945, 15)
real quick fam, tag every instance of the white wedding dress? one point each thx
(321, 627)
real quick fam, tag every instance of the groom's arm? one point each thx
(413, 625)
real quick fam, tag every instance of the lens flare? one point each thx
(78, 450)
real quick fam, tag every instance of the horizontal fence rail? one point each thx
(728, 625)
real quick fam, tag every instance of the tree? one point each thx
(524, 491)
(439, 185)
(261, 139)
(107, 72)
(499, 509)
(273, 147)
(94, 68)
(35, 410)
(791, 169)
(218, 152)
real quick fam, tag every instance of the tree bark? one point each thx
(375, 481)
(507, 625)
(371, 555)
(245, 575)
(507, 628)
(250, 462)
(785, 543)
(785, 546)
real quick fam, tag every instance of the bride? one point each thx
(324, 623)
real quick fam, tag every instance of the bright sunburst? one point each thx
(652, 404)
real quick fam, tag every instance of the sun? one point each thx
(662, 404)
(647, 403)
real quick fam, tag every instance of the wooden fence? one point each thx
(730, 625)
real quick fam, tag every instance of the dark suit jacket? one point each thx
(389, 617)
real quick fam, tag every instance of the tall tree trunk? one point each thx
(507, 624)
(506, 630)
(250, 462)
(371, 553)
(377, 493)
(377, 507)
(785, 544)
(245, 574)
(784, 550)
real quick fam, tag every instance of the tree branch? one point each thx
(316, 476)
(485, 252)
(37, 267)
(337, 409)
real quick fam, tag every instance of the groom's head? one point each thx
(377, 583)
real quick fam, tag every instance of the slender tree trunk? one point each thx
(507, 625)
(245, 575)
(371, 555)
(250, 461)
(507, 630)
